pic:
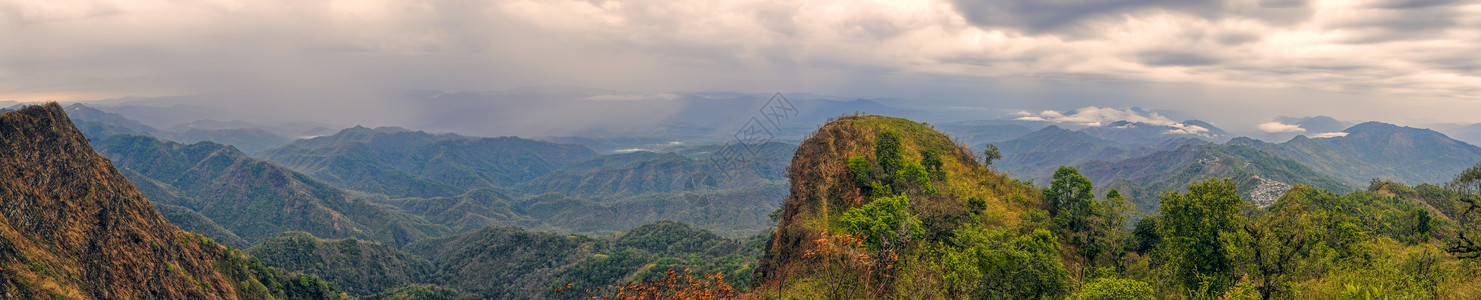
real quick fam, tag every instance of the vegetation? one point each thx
(401, 163)
(73, 227)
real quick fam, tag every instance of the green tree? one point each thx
(885, 222)
(990, 155)
(1069, 192)
(980, 263)
(1111, 288)
(1195, 226)
(1280, 240)
(887, 152)
(931, 159)
(1467, 186)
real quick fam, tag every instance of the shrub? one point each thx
(885, 223)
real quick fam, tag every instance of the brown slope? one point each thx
(71, 225)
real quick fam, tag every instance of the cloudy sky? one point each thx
(1234, 61)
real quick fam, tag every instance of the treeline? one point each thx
(512, 263)
(1388, 241)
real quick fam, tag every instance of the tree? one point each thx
(887, 152)
(931, 159)
(1467, 185)
(1195, 225)
(884, 222)
(1071, 203)
(1280, 240)
(1069, 191)
(990, 155)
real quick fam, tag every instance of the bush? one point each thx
(1111, 288)
(885, 223)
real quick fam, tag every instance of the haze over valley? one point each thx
(1224, 149)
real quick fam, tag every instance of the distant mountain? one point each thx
(735, 212)
(1468, 133)
(252, 198)
(978, 133)
(84, 113)
(249, 140)
(73, 227)
(1378, 150)
(403, 163)
(1310, 126)
(1260, 176)
(1135, 134)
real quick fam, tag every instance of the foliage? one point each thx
(885, 222)
(1069, 192)
(983, 263)
(1111, 288)
(1196, 226)
(887, 151)
(674, 285)
(990, 154)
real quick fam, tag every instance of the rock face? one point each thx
(72, 226)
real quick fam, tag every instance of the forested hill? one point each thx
(255, 199)
(73, 227)
(1261, 177)
(1378, 150)
(403, 163)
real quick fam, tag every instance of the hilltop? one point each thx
(875, 201)
(73, 227)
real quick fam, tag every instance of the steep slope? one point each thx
(1378, 150)
(402, 163)
(1261, 177)
(71, 226)
(256, 199)
(836, 240)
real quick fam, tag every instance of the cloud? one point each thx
(1097, 116)
(1278, 127)
(326, 55)
(1329, 135)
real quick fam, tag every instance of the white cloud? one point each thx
(1329, 135)
(1278, 127)
(1097, 116)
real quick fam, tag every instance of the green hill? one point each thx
(1261, 177)
(402, 163)
(358, 267)
(256, 199)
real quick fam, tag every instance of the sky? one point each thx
(1237, 62)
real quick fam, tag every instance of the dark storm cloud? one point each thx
(1051, 16)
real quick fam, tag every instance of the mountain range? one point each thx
(403, 163)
